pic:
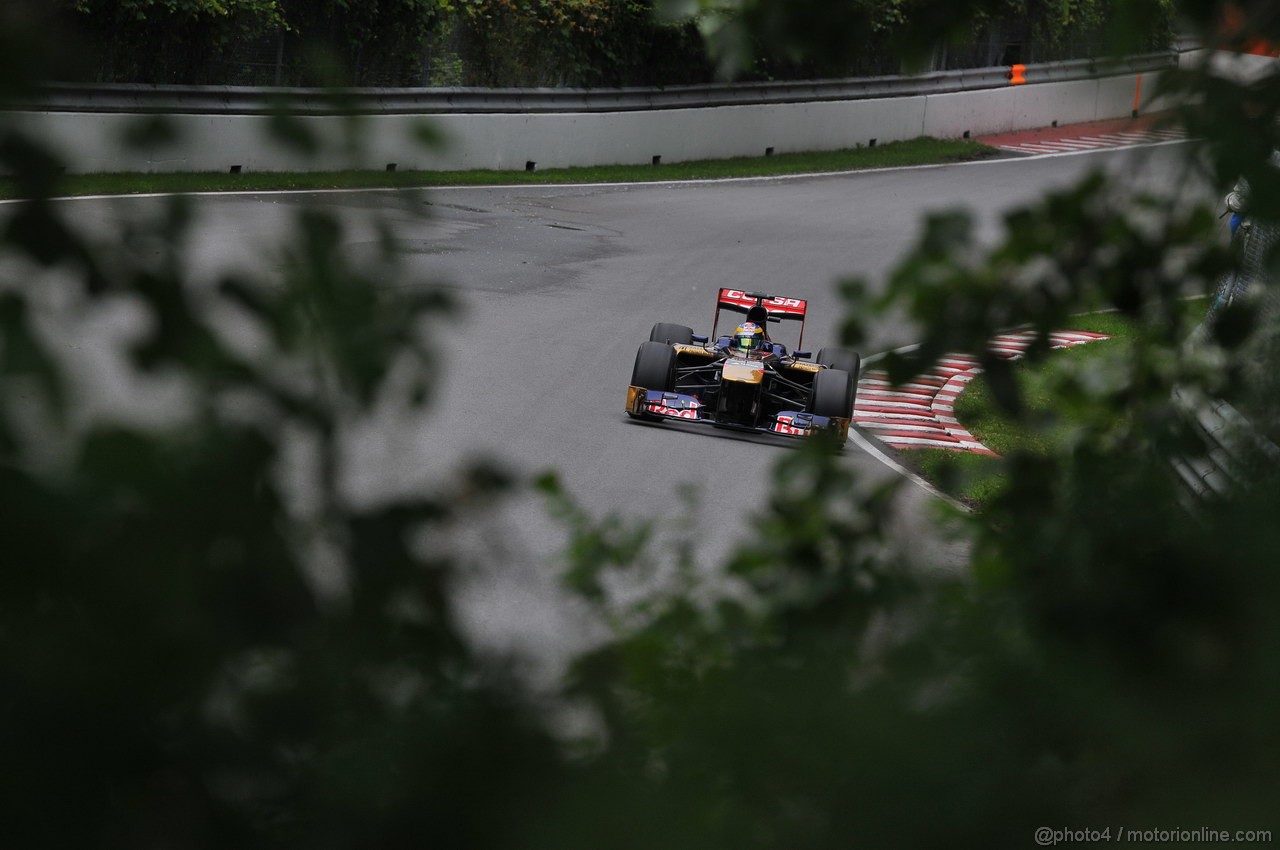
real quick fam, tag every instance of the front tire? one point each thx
(833, 392)
(655, 367)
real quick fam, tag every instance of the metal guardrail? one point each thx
(242, 100)
(1233, 447)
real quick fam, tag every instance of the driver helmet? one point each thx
(748, 340)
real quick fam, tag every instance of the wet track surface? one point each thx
(558, 287)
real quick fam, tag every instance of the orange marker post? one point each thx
(1017, 75)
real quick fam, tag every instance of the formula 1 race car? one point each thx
(679, 375)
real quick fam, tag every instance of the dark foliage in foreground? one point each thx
(210, 640)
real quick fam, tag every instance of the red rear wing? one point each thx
(778, 306)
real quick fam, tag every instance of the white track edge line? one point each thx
(243, 193)
(872, 449)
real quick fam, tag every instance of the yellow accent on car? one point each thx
(636, 399)
(681, 348)
(742, 373)
(842, 428)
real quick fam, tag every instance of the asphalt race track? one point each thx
(561, 284)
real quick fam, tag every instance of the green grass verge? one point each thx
(922, 151)
(975, 479)
(972, 479)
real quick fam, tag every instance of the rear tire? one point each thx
(655, 367)
(842, 359)
(669, 333)
(832, 396)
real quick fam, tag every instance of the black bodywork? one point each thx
(680, 375)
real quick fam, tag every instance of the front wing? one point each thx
(654, 404)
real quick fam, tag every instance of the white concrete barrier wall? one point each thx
(92, 142)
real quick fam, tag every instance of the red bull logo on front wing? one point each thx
(663, 410)
(785, 425)
(675, 405)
